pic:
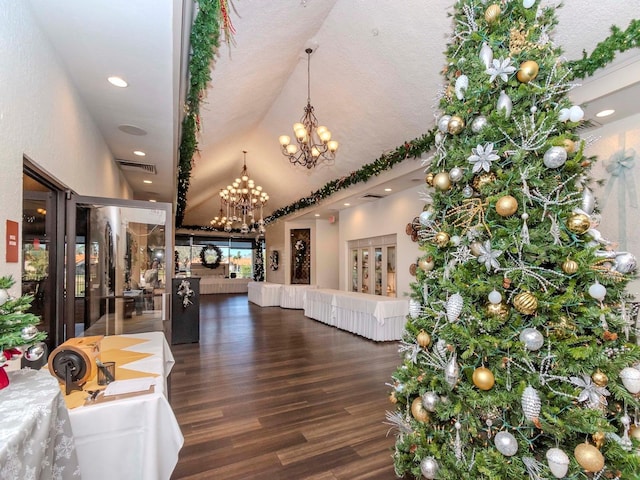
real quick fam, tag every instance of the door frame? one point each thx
(73, 201)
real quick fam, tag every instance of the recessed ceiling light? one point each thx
(387, 190)
(347, 204)
(317, 214)
(139, 153)
(147, 181)
(118, 82)
(152, 201)
(132, 130)
(605, 113)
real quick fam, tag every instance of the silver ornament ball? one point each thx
(532, 339)
(443, 123)
(29, 332)
(455, 174)
(506, 443)
(429, 467)
(555, 157)
(467, 192)
(34, 352)
(478, 123)
(430, 401)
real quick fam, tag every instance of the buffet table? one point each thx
(132, 436)
(264, 294)
(371, 316)
(35, 433)
(211, 285)
(292, 296)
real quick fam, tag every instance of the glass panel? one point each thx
(354, 270)
(365, 271)
(391, 271)
(119, 283)
(378, 270)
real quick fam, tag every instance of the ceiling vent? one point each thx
(588, 125)
(128, 166)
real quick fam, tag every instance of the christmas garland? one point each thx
(207, 251)
(205, 37)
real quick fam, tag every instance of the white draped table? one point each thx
(264, 294)
(136, 437)
(35, 433)
(372, 316)
(211, 285)
(292, 296)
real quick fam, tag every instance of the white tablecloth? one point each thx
(133, 438)
(292, 296)
(264, 294)
(210, 285)
(35, 433)
(372, 316)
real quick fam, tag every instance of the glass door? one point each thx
(119, 266)
(354, 270)
(365, 271)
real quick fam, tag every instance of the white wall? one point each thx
(619, 197)
(386, 216)
(42, 117)
(327, 254)
(274, 240)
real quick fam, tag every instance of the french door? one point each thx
(119, 264)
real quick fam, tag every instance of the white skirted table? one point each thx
(136, 437)
(264, 294)
(36, 440)
(371, 316)
(292, 296)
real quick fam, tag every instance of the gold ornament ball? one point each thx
(418, 411)
(455, 125)
(492, 13)
(442, 239)
(429, 179)
(483, 378)
(506, 206)
(598, 439)
(426, 264)
(498, 310)
(634, 432)
(569, 266)
(578, 223)
(484, 179)
(569, 145)
(392, 397)
(589, 457)
(528, 71)
(525, 303)
(475, 248)
(424, 339)
(442, 181)
(600, 379)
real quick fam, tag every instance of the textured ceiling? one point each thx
(374, 80)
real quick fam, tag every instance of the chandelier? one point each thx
(242, 199)
(314, 142)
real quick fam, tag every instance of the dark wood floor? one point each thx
(269, 393)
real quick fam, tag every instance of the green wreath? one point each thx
(210, 256)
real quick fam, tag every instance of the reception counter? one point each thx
(212, 285)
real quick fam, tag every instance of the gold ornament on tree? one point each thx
(506, 206)
(442, 239)
(569, 266)
(492, 13)
(455, 125)
(441, 181)
(418, 411)
(424, 339)
(569, 145)
(578, 223)
(426, 264)
(528, 71)
(483, 378)
(589, 457)
(429, 179)
(525, 303)
(483, 180)
(498, 310)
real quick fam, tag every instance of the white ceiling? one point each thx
(374, 79)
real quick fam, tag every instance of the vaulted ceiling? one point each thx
(375, 73)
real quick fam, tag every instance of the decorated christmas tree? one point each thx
(518, 360)
(18, 329)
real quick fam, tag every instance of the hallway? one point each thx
(269, 393)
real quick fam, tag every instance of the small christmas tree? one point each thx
(17, 326)
(258, 266)
(519, 355)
